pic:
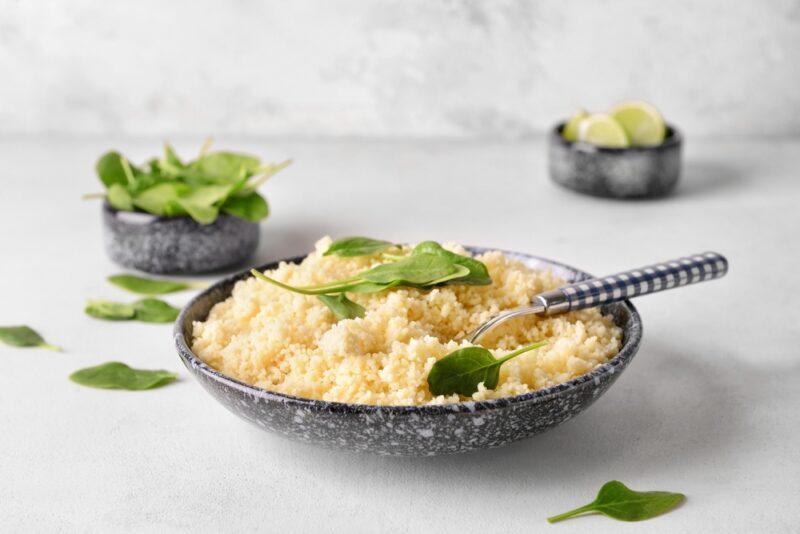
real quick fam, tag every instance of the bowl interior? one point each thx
(625, 316)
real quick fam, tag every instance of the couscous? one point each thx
(293, 344)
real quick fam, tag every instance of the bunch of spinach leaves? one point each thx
(202, 188)
(427, 265)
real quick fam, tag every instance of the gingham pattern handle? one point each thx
(650, 279)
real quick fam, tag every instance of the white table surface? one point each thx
(709, 407)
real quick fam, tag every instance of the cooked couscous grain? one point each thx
(292, 343)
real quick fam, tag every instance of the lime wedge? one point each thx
(570, 131)
(642, 122)
(602, 130)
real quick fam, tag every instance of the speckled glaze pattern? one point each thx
(177, 245)
(408, 430)
(638, 172)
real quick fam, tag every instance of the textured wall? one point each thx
(308, 68)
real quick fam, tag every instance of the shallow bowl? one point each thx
(636, 172)
(408, 430)
(177, 245)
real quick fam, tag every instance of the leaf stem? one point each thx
(336, 287)
(572, 513)
(126, 168)
(93, 196)
(205, 147)
(50, 347)
(267, 173)
(522, 350)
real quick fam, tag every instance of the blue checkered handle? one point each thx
(628, 284)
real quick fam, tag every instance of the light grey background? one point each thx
(392, 68)
(710, 405)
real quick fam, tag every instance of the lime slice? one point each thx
(602, 130)
(570, 131)
(642, 122)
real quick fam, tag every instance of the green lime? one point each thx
(642, 122)
(602, 130)
(570, 131)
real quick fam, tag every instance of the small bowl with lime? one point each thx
(629, 152)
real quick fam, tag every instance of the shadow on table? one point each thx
(677, 409)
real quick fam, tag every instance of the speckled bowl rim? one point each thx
(673, 139)
(632, 337)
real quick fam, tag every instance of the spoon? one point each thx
(616, 287)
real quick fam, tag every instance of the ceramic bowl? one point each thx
(636, 172)
(408, 430)
(177, 245)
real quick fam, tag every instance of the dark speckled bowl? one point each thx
(177, 245)
(636, 172)
(408, 430)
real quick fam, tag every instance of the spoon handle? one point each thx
(628, 284)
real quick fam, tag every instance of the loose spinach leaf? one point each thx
(342, 307)
(24, 336)
(463, 370)
(620, 502)
(152, 310)
(110, 311)
(117, 375)
(151, 286)
(252, 207)
(478, 274)
(357, 246)
(149, 310)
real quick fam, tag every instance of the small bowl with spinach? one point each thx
(174, 216)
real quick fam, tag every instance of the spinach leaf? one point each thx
(151, 286)
(117, 375)
(119, 198)
(200, 189)
(478, 274)
(170, 162)
(357, 246)
(264, 173)
(420, 269)
(161, 199)
(224, 167)
(110, 311)
(342, 307)
(152, 310)
(24, 336)
(252, 207)
(620, 502)
(109, 169)
(149, 310)
(463, 370)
